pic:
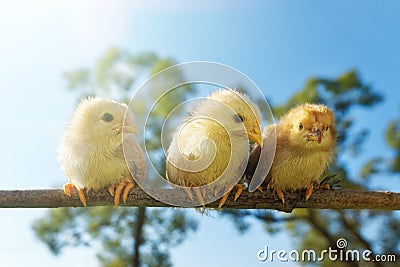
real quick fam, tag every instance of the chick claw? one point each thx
(199, 195)
(325, 186)
(309, 190)
(223, 199)
(239, 189)
(121, 188)
(188, 192)
(280, 194)
(67, 190)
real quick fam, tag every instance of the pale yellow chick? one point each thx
(211, 145)
(305, 146)
(91, 151)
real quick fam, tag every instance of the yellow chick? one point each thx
(212, 144)
(91, 151)
(305, 146)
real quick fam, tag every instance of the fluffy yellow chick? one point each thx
(305, 146)
(211, 145)
(91, 151)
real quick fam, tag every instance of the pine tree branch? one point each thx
(321, 199)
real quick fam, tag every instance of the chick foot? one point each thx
(309, 190)
(324, 186)
(280, 194)
(67, 190)
(122, 188)
(188, 192)
(239, 189)
(199, 194)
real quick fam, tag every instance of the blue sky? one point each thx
(278, 44)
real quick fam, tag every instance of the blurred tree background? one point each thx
(126, 235)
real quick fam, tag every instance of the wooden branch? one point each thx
(321, 199)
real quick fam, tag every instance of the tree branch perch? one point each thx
(321, 199)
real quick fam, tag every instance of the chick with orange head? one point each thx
(305, 147)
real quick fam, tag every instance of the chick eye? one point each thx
(238, 118)
(300, 126)
(327, 128)
(107, 117)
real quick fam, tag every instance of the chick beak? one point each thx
(255, 135)
(130, 128)
(317, 136)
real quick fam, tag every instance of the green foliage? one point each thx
(59, 229)
(77, 78)
(114, 74)
(371, 167)
(113, 229)
(393, 140)
(380, 165)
